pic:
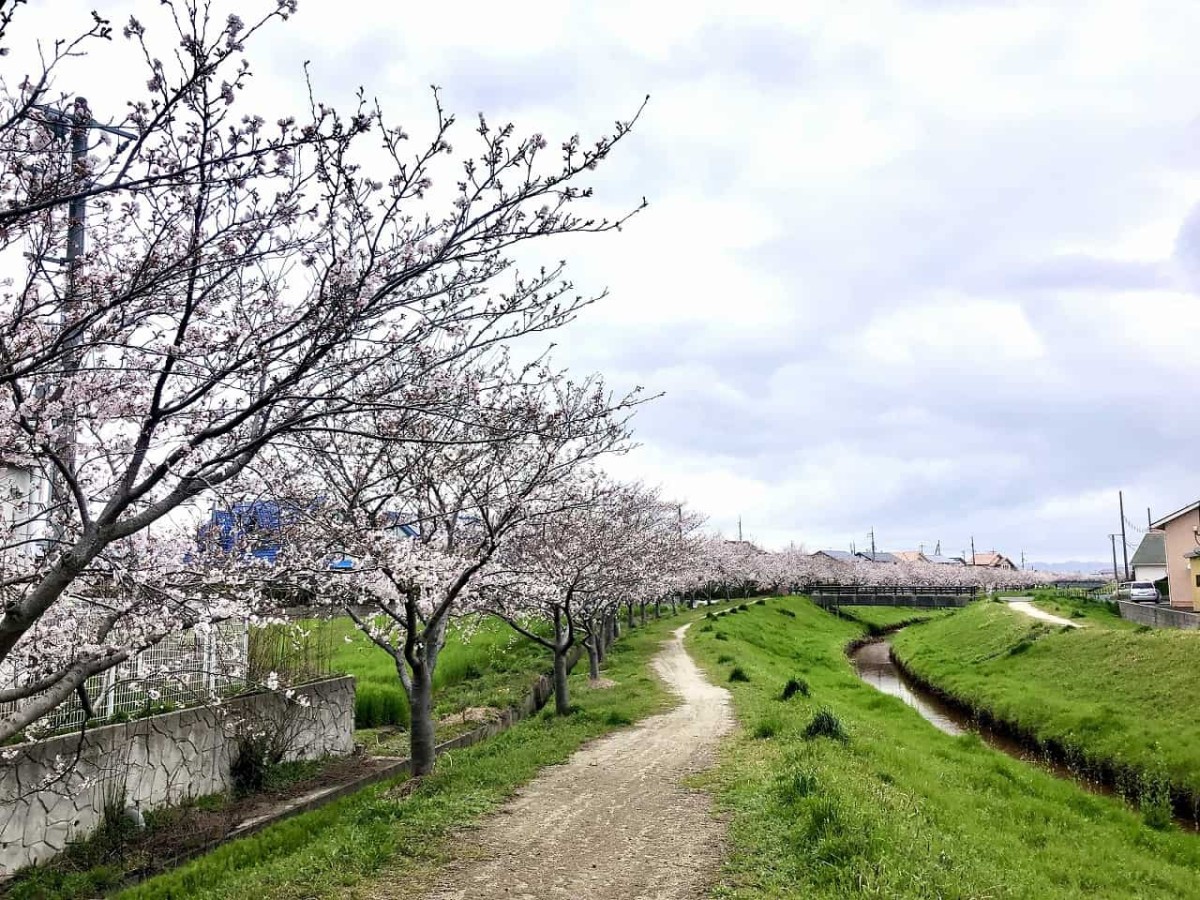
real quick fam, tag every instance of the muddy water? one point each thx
(874, 665)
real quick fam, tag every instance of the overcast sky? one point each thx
(929, 267)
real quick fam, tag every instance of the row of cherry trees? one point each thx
(730, 568)
(308, 306)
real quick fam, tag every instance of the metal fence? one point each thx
(923, 596)
(184, 669)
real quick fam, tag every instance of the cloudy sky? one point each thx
(928, 267)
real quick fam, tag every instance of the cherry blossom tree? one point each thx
(248, 281)
(417, 507)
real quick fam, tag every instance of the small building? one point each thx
(994, 560)
(841, 556)
(1150, 559)
(946, 560)
(880, 557)
(1181, 538)
(910, 556)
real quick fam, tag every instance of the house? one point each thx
(1181, 538)
(994, 560)
(880, 557)
(24, 496)
(946, 560)
(1150, 559)
(910, 556)
(841, 556)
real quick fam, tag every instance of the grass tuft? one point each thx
(826, 724)
(737, 673)
(793, 687)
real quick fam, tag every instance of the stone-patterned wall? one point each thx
(153, 762)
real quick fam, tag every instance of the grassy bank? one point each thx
(1116, 702)
(483, 664)
(1083, 610)
(398, 832)
(897, 808)
(882, 619)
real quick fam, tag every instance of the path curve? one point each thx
(1026, 607)
(614, 821)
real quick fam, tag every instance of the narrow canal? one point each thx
(873, 662)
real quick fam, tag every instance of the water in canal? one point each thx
(874, 665)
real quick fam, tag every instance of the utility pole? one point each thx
(739, 529)
(77, 123)
(1113, 539)
(1149, 521)
(679, 517)
(1022, 560)
(1124, 542)
(972, 549)
(872, 545)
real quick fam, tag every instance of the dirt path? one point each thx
(1024, 606)
(613, 822)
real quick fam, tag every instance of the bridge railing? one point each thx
(923, 596)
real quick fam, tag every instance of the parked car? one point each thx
(1138, 592)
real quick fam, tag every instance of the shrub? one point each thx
(761, 601)
(723, 659)
(707, 627)
(826, 724)
(709, 615)
(738, 674)
(793, 687)
(720, 636)
(767, 727)
(741, 607)
(786, 612)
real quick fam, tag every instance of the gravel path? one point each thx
(614, 822)
(1024, 606)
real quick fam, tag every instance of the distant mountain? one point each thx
(1087, 566)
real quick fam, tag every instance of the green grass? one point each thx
(1111, 696)
(402, 838)
(900, 809)
(882, 618)
(1082, 610)
(483, 664)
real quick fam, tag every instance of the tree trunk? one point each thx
(616, 626)
(593, 658)
(421, 738)
(657, 609)
(643, 605)
(602, 640)
(562, 697)
(629, 610)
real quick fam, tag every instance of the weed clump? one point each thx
(707, 627)
(738, 674)
(723, 659)
(793, 786)
(786, 612)
(720, 636)
(826, 724)
(711, 616)
(767, 727)
(793, 687)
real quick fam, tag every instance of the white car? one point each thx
(1139, 592)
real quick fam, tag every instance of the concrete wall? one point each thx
(1181, 539)
(152, 762)
(1158, 616)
